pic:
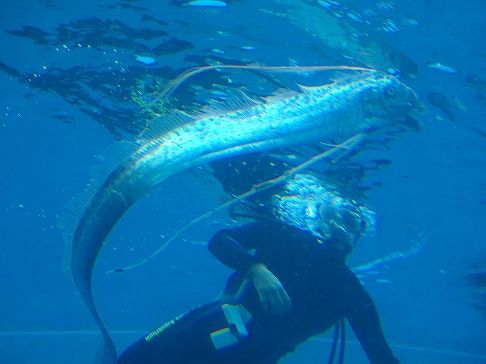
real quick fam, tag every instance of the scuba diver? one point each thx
(290, 283)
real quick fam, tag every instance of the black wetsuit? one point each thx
(320, 285)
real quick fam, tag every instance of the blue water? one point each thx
(69, 71)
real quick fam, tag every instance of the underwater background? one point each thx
(78, 76)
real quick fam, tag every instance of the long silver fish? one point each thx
(359, 103)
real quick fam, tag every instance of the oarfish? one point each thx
(356, 104)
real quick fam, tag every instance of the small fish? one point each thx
(389, 26)
(206, 3)
(476, 83)
(442, 67)
(459, 103)
(198, 242)
(386, 5)
(382, 280)
(410, 22)
(326, 4)
(354, 16)
(145, 60)
(218, 93)
(440, 101)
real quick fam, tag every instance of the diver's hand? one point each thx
(271, 292)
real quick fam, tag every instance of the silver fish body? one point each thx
(360, 103)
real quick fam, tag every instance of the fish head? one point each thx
(387, 100)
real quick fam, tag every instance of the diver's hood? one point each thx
(310, 203)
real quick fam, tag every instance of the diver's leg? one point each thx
(262, 346)
(183, 340)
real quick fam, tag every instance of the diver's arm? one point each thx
(229, 251)
(272, 294)
(366, 325)
(231, 247)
